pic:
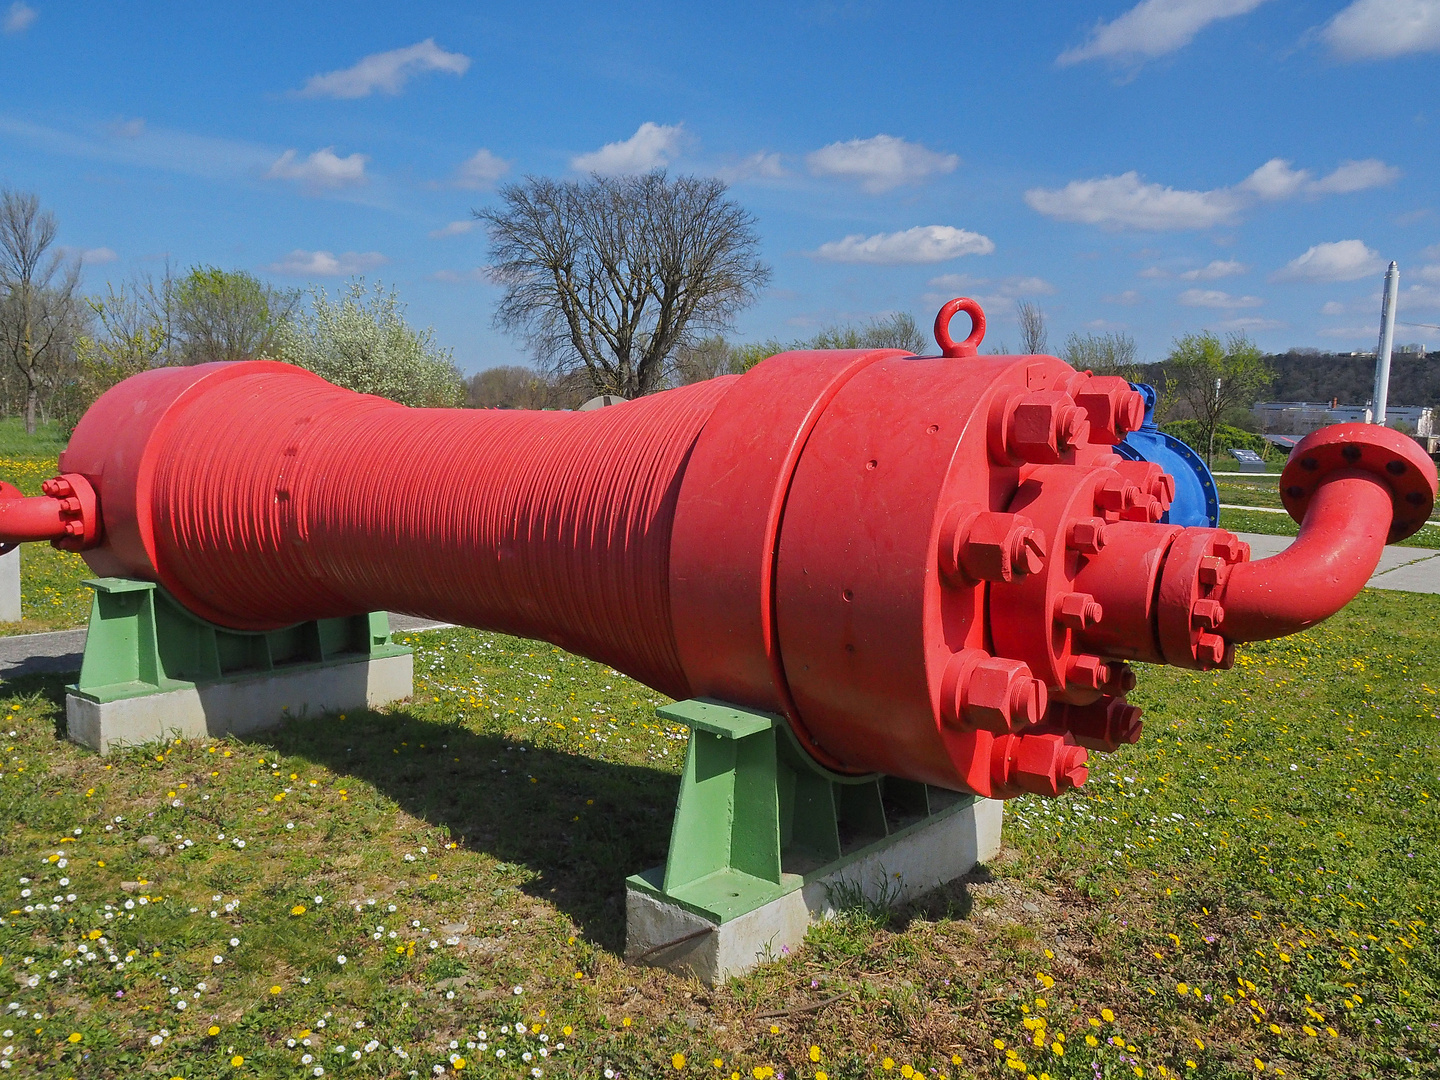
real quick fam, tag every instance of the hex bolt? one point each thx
(989, 546)
(993, 693)
(1040, 763)
(1078, 611)
(1207, 614)
(1210, 650)
(1230, 548)
(1122, 679)
(1142, 507)
(70, 505)
(1044, 425)
(1087, 536)
(1115, 494)
(1210, 568)
(1087, 672)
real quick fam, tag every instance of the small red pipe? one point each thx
(27, 518)
(1338, 548)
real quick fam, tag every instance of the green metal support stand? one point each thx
(141, 641)
(757, 817)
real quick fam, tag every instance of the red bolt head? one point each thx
(1207, 614)
(1231, 548)
(1210, 650)
(1087, 536)
(1044, 425)
(1142, 507)
(1089, 672)
(1122, 679)
(1001, 547)
(1001, 696)
(57, 487)
(1078, 611)
(1211, 567)
(1115, 493)
(1046, 764)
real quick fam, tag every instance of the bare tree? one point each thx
(894, 331)
(616, 273)
(1104, 354)
(1033, 337)
(40, 312)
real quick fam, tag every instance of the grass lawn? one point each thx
(1250, 891)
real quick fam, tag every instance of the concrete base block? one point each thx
(10, 587)
(894, 871)
(239, 706)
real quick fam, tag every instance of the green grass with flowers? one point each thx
(436, 889)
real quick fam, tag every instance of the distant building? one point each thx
(1418, 351)
(1303, 417)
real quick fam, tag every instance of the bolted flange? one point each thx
(1077, 611)
(1044, 426)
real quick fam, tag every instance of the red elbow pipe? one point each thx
(1337, 550)
(65, 514)
(1353, 488)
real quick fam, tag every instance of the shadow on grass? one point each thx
(47, 686)
(579, 824)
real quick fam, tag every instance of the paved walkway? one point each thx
(1408, 569)
(32, 654)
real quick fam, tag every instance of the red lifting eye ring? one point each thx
(971, 345)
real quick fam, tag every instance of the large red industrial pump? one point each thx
(935, 568)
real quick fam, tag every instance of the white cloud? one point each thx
(1215, 270)
(480, 170)
(1127, 202)
(324, 264)
(1253, 323)
(1355, 176)
(922, 244)
(1154, 273)
(1128, 298)
(758, 166)
(462, 277)
(1376, 29)
(880, 163)
(19, 17)
(653, 146)
(322, 169)
(1342, 260)
(1275, 180)
(387, 72)
(1214, 298)
(96, 256)
(454, 228)
(1430, 274)
(997, 297)
(1420, 296)
(1153, 28)
(128, 129)
(1431, 252)
(1332, 307)
(1351, 332)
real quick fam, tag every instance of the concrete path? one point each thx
(32, 654)
(1407, 569)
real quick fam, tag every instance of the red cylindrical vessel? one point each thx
(935, 568)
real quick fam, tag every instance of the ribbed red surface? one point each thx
(280, 498)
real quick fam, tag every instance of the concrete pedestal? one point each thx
(238, 706)
(10, 587)
(906, 864)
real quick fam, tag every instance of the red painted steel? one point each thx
(933, 567)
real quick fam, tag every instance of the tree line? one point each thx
(60, 348)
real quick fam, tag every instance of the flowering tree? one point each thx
(360, 340)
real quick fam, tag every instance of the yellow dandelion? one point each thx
(678, 1061)
(1107, 1016)
(75, 1037)
(814, 1053)
(214, 1030)
(237, 1060)
(298, 909)
(888, 1064)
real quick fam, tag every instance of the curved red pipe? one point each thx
(1338, 548)
(33, 517)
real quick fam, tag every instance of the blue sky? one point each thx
(1157, 168)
